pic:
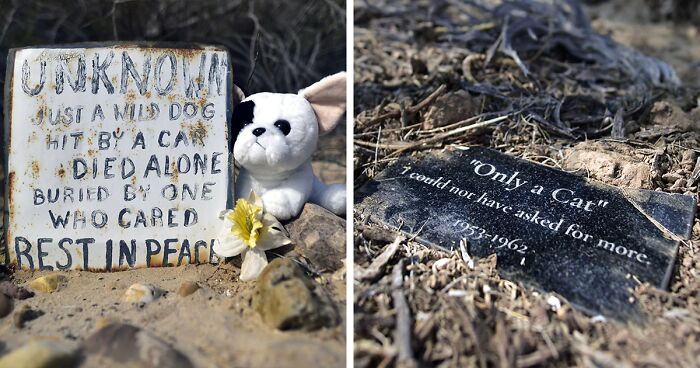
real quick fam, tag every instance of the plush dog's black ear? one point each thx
(235, 128)
(238, 94)
(242, 116)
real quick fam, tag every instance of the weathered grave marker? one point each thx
(116, 155)
(556, 231)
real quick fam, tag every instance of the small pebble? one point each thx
(598, 319)
(670, 177)
(19, 317)
(688, 160)
(141, 293)
(554, 302)
(187, 288)
(678, 185)
(41, 354)
(104, 322)
(24, 314)
(48, 283)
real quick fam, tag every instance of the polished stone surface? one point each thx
(555, 231)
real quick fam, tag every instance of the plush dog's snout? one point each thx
(258, 131)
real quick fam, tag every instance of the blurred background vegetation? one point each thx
(289, 44)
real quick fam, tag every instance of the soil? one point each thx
(214, 327)
(459, 316)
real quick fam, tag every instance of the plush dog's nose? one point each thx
(258, 131)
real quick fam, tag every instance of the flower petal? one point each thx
(271, 222)
(229, 246)
(256, 200)
(254, 260)
(271, 241)
(274, 235)
(227, 223)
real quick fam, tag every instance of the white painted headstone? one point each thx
(117, 156)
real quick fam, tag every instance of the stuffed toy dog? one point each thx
(275, 135)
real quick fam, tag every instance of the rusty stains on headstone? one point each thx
(117, 155)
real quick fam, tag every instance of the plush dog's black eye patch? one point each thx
(284, 126)
(242, 116)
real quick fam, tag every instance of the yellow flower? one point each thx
(247, 224)
(249, 231)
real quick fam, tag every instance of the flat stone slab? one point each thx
(117, 155)
(558, 232)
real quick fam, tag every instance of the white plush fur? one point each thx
(278, 167)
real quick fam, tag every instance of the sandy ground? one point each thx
(214, 327)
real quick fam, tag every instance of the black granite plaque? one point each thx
(587, 241)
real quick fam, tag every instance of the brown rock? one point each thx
(130, 346)
(451, 108)
(319, 235)
(287, 299)
(669, 114)
(608, 165)
(187, 288)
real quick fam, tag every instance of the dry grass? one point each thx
(411, 66)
